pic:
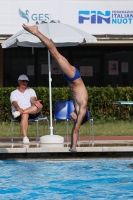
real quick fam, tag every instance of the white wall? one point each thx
(83, 14)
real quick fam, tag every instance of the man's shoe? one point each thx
(16, 114)
(26, 140)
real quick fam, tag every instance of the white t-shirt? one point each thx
(22, 98)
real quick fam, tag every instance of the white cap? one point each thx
(23, 77)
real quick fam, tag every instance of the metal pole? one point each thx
(50, 94)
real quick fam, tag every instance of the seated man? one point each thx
(24, 104)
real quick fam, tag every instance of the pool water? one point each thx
(109, 179)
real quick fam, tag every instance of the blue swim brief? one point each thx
(77, 75)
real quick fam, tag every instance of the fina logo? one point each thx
(109, 17)
(34, 17)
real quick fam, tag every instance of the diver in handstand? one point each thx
(75, 83)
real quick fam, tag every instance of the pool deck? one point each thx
(109, 146)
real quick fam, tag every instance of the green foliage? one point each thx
(99, 104)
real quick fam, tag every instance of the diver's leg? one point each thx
(64, 65)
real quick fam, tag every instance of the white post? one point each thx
(51, 140)
(50, 94)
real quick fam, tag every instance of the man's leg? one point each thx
(24, 124)
(24, 121)
(32, 110)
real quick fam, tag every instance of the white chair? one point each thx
(30, 120)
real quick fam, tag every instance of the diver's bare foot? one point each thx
(31, 29)
(74, 116)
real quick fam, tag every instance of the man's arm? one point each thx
(15, 104)
(36, 102)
